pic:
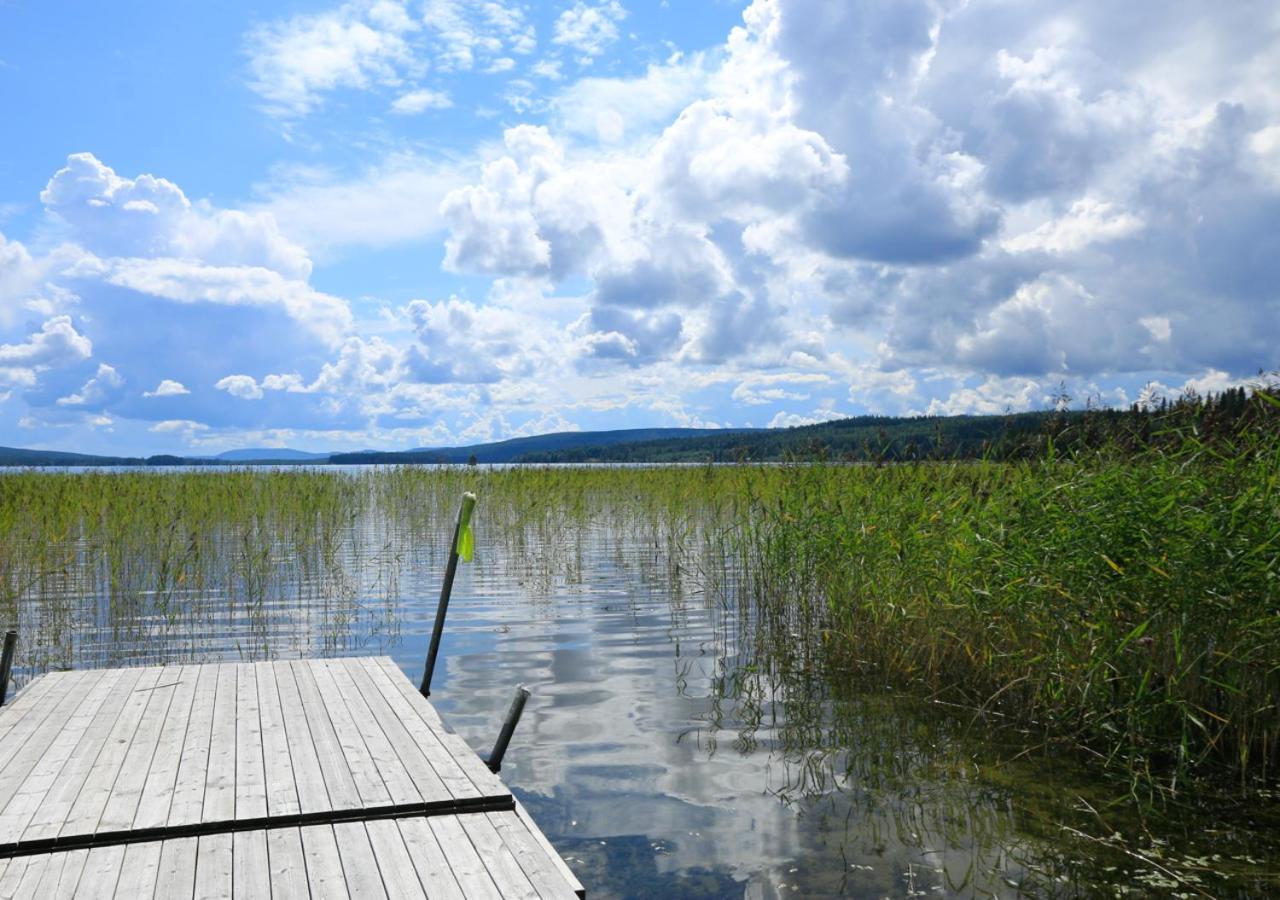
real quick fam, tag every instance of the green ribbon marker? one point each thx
(466, 537)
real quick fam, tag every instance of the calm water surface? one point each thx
(665, 751)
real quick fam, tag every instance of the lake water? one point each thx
(674, 745)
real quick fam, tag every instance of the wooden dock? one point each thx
(305, 778)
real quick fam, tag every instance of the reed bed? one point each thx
(1125, 604)
(1128, 606)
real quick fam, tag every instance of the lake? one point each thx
(678, 742)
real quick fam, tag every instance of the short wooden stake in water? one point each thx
(6, 663)
(508, 728)
(462, 524)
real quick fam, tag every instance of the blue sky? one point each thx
(402, 223)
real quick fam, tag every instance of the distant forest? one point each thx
(1215, 418)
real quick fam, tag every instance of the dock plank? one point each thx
(213, 866)
(62, 874)
(101, 873)
(250, 772)
(158, 790)
(359, 865)
(96, 790)
(405, 808)
(34, 699)
(501, 863)
(399, 876)
(409, 751)
(313, 795)
(288, 864)
(534, 860)
(220, 775)
(281, 787)
(324, 865)
(32, 876)
(140, 870)
(250, 866)
(446, 767)
(177, 876)
(369, 784)
(55, 806)
(126, 792)
(338, 779)
(429, 859)
(187, 803)
(536, 835)
(26, 744)
(467, 866)
(400, 785)
(22, 807)
(11, 876)
(485, 782)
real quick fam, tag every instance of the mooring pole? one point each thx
(6, 663)
(464, 518)
(508, 728)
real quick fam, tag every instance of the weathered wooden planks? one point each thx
(472, 855)
(114, 751)
(302, 778)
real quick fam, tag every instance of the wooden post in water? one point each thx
(6, 662)
(508, 728)
(463, 524)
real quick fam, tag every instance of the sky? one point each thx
(413, 223)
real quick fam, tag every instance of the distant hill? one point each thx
(271, 454)
(864, 437)
(869, 438)
(14, 456)
(859, 438)
(516, 449)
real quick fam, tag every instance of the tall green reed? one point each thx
(1127, 604)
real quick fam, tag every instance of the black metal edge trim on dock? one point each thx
(504, 803)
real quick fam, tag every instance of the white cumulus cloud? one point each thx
(168, 388)
(589, 28)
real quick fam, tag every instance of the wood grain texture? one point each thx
(306, 778)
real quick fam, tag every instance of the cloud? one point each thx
(589, 28)
(547, 68)
(894, 206)
(1088, 221)
(630, 336)
(795, 420)
(168, 388)
(57, 343)
(187, 429)
(20, 278)
(994, 396)
(616, 110)
(104, 385)
(151, 217)
(295, 63)
(183, 281)
(241, 386)
(462, 343)
(414, 102)
(292, 63)
(759, 389)
(394, 202)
